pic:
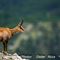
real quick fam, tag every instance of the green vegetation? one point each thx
(41, 22)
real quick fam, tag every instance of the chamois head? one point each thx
(20, 28)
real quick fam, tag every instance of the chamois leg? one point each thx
(5, 47)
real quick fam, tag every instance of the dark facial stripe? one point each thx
(21, 28)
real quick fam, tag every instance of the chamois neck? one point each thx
(14, 30)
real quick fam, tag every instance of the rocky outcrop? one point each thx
(14, 56)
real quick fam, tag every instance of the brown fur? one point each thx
(6, 34)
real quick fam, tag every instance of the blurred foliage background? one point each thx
(41, 23)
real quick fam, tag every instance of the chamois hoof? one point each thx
(5, 53)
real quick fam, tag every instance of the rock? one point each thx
(14, 56)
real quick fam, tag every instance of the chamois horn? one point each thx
(21, 22)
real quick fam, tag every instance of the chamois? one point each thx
(7, 33)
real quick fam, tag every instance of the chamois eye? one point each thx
(20, 27)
